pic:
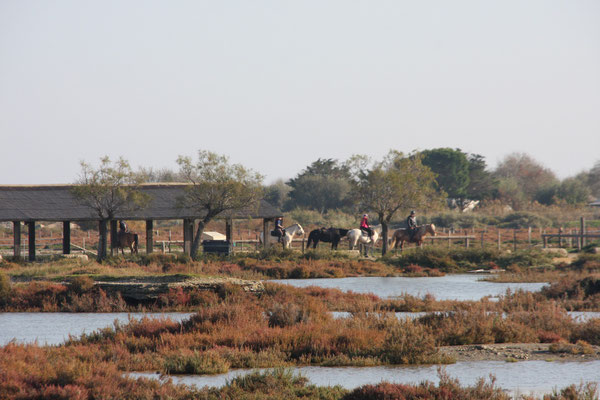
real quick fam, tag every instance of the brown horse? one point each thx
(127, 239)
(402, 235)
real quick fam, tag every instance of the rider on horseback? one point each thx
(364, 225)
(122, 226)
(279, 231)
(411, 223)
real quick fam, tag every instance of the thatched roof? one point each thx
(57, 203)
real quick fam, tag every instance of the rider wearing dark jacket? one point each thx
(411, 223)
(122, 226)
(279, 232)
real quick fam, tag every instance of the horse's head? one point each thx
(299, 230)
(431, 229)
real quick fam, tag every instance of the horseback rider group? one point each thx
(411, 223)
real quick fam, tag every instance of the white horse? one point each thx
(290, 232)
(356, 236)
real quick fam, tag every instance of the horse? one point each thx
(331, 235)
(356, 235)
(127, 239)
(402, 235)
(290, 232)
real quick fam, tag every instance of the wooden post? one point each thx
(560, 244)
(303, 244)
(113, 237)
(545, 240)
(229, 230)
(529, 235)
(448, 238)
(31, 234)
(266, 233)
(582, 230)
(514, 239)
(482, 244)
(499, 239)
(149, 236)
(466, 239)
(66, 237)
(17, 239)
(188, 235)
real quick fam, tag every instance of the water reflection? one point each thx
(449, 287)
(55, 328)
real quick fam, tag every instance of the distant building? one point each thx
(594, 203)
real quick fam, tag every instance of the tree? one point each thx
(323, 185)
(216, 187)
(398, 182)
(524, 176)
(110, 189)
(278, 193)
(452, 170)
(482, 184)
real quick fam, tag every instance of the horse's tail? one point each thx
(135, 238)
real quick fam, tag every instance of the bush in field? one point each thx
(81, 284)
(283, 315)
(196, 363)
(524, 219)
(5, 288)
(408, 342)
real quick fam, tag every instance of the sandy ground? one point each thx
(514, 352)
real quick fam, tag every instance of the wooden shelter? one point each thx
(28, 204)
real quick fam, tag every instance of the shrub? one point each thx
(81, 284)
(524, 219)
(283, 315)
(5, 288)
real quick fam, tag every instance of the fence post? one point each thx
(499, 238)
(582, 230)
(448, 238)
(560, 231)
(515, 240)
(466, 239)
(302, 244)
(529, 235)
(482, 245)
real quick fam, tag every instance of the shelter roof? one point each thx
(57, 203)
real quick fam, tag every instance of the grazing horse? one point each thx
(127, 239)
(401, 235)
(290, 232)
(331, 235)
(356, 236)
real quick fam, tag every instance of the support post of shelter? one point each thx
(229, 230)
(31, 234)
(582, 230)
(266, 233)
(149, 236)
(113, 236)
(17, 239)
(66, 243)
(188, 235)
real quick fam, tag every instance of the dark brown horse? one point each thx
(331, 235)
(401, 235)
(127, 239)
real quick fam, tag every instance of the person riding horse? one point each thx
(364, 225)
(279, 231)
(411, 223)
(122, 226)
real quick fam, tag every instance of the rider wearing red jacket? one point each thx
(364, 225)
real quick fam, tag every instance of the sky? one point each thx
(277, 84)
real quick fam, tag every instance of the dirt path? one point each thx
(515, 352)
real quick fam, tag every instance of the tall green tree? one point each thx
(108, 189)
(452, 169)
(399, 182)
(216, 186)
(323, 185)
(482, 184)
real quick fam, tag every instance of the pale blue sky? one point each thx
(277, 84)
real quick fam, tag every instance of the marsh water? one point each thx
(525, 377)
(55, 328)
(448, 287)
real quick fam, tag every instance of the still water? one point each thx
(449, 287)
(525, 377)
(55, 328)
